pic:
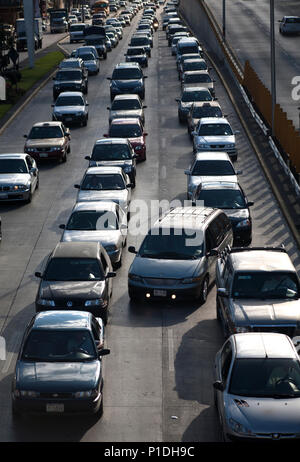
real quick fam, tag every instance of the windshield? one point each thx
(222, 198)
(69, 101)
(206, 111)
(91, 220)
(171, 247)
(87, 57)
(213, 168)
(200, 95)
(37, 133)
(215, 130)
(266, 377)
(184, 50)
(111, 152)
(127, 74)
(139, 41)
(59, 345)
(97, 41)
(125, 130)
(292, 20)
(69, 75)
(13, 166)
(135, 51)
(75, 27)
(199, 65)
(73, 269)
(197, 78)
(100, 182)
(265, 284)
(126, 104)
(70, 64)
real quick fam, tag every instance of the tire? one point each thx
(133, 297)
(204, 290)
(118, 264)
(64, 158)
(218, 314)
(84, 123)
(105, 56)
(29, 197)
(100, 410)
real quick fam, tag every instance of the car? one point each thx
(127, 78)
(258, 290)
(190, 95)
(198, 110)
(127, 106)
(83, 50)
(146, 27)
(100, 221)
(74, 63)
(137, 55)
(208, 166)
(113, 38)
(230, 197)
(176, 39)
(141, 40)
(257, 388)
(76, 32)
(71, 107)
(117, 152)
(69, 80)
(145, 33)
(172, 29)
(76, 276)
(133, 130)
(188, 45)
(91, 63)
(48, 140)
(215, 134)
(65, 350)
(198, 79)
(182, 58)
(289, 25)
(196, 64)
(106, 183)
(19, 177)
(176, 259)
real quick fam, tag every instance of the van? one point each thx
(177, 258)
(188, 45)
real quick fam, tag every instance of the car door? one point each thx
(210, 244)
(106, 266)
(223, 367)
(31, 165)
(224, 280)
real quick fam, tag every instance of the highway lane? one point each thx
(248, 32)
(159, 374)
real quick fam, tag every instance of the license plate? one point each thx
(160, 293)
(55, 407)
(43, 154)
(3, 196)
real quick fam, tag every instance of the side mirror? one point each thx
(25, 136)
(108, 108)
(52, 105)
(132, 249)
(194, 133)
(218, 385)
(87, 104)
(33, 171)
(145, 76)
(145, 107)
(129, 185)
(145, 134)
(215, 99)
(222, 292)
(124, 226)
(110, 275)
(62, 226)
(108, 78)
(250, 203)
(212, 253)
(177, 100)
(105, 135)
(187, 172)
(38, 274)
(135, 156)
(88, 157)
(77, 186)
(103, 352)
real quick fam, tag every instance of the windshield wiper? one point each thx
(170, 255)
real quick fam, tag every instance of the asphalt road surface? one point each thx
(158, 377)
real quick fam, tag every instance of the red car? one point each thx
(133, 129)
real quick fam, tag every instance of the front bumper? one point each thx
(14, 195)
(70, 118)
(158, 292)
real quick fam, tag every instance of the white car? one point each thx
(19, 177)
(91, 63)
(105, 184)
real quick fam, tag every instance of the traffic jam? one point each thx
(204, 241)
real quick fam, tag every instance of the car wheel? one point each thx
(118, 264)
(181, 120)
(218, 312)
(133, 297)
(84, 123)
(204, 290)
(29, 197)
(69, 149)
(64, 158)
(100, 410)
(105, 56)
(37, 183)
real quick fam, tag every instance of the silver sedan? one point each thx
(19, 177)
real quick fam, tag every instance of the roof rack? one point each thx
(246, 249)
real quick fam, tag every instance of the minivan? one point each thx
(177, 258)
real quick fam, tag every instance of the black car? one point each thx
(188, 97)
(127, 78)
(230, 198)
(69, 80)
(77, 276)
(137, 55)
(117, 152)
(59, 366)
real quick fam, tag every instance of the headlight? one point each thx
(56, 148)
(201, 145)
(20, 187)
(79, 113)
(231, 146)
(244, 223)
(191, 280)
(94, 302)
(30, 149)
(138, 148)
(29, 394)
(44, 302)
(86, 394)
(241, 330)
(135, 277)
(239, 428)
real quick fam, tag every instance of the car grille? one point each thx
(56, 395)
(66, 303)
(161, 282)
(47, 149)
(287, 330)
(217, 146)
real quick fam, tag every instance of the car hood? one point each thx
(128, 113)
(71, 289)
(68, 109)
(197, 179)
(105, 237)
(15, 178)
(127, 83)
(111, 195)
(44, 142)
(136, 141)
(67, 82)
(186, 105)
(265, 415)
(248, 312)
(58, 376)
(163, 268)
(236, 214)
(115, 163)
(224, 139)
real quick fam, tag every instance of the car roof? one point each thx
(112, 141)
(62, 319)
(206, 103)
(194, 217)
(127, 65)
(197, 72)
(261, 260)
(13, 156)
(220, 185)
(76, 250)
(192, 89)
(213, 120)
(195, 60)
(70, 93)
(106, 169)
(127, 96)
(95, 205)
(263, 345)
(126, 120)
(212, 156)
(55, 123)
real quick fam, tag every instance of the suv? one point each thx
(214, 134)
(48, 140)
(127, 78)
(177, 257)
(258, 290)
(69, 80)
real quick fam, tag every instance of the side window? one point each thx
(226, 357)
(209, 240)
(95, 330)
(213, 231)
(29, 163)
(217, 229)
(225, 222)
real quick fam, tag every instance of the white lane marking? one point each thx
(171, 350)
